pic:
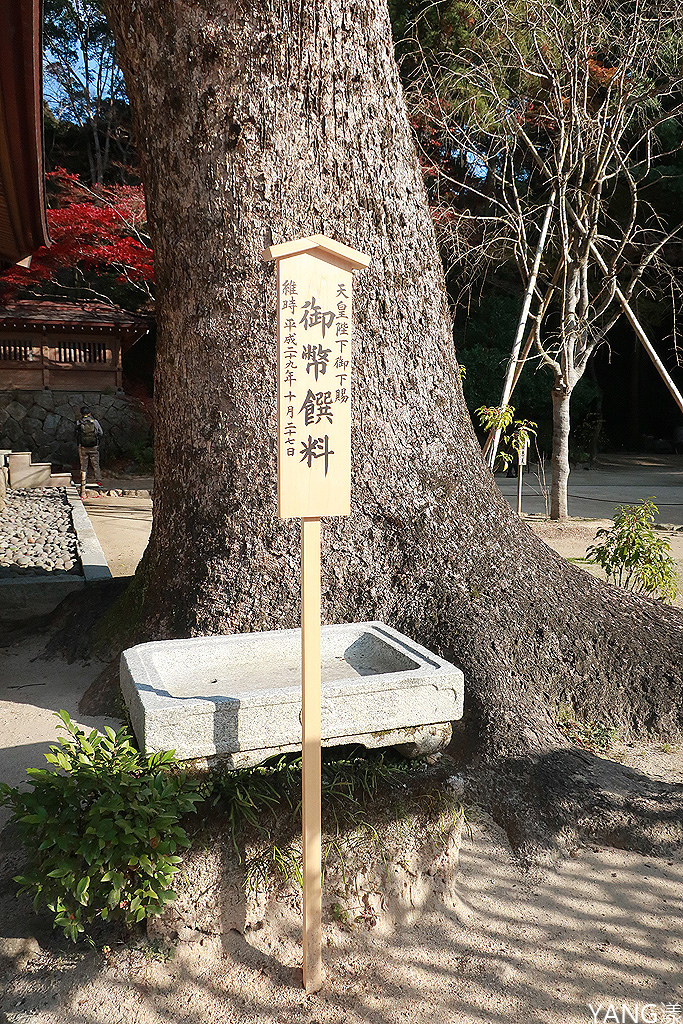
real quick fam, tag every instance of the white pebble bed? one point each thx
(37, 537)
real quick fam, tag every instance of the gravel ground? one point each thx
(37, 536)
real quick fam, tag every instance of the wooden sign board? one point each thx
(314, 326)
(314, 287)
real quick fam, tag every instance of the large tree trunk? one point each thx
(265, 121)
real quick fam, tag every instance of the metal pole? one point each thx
(520, 475)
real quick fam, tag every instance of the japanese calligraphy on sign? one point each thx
(314, 288)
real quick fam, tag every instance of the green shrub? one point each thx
(101, 832)
(594, 736)
(142, 454)
(631, 554)
(494, 417)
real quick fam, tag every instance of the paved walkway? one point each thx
(122, 526)
(615, 480)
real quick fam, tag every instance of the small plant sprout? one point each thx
(597, 737)
(515, 434)
(632, 556)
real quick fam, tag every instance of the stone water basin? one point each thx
(237, 698)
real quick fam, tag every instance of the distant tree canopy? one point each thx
(570, 114)
(87, 120)
(96, 217)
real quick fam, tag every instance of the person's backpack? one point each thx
(87, 433)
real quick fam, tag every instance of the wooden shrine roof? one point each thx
(23, 225)
(85, 316)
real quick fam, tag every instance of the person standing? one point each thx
(88, 434)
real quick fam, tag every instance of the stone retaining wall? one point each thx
(42, 422)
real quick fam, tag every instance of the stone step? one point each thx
(18, 461)
(24, 473)
(36, 475)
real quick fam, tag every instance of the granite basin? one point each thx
(237, 698)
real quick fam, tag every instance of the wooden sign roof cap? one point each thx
(342, 253)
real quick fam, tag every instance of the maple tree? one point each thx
(100, 245)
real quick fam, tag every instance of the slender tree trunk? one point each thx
(99, 169)
(268, 121)
(595, 420)
(559, 467)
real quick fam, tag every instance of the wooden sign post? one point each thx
(314, 326)
(522, 458)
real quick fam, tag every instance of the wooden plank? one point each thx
(321, 246)
(18, 375)
(310, 753)
(314, 387)
(310, 747)
(314, 288)
(95, 378)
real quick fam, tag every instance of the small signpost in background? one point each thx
(523, 454)
(314, 289)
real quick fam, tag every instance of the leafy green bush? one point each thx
(594, 736)
(102, 831)
(494, 417)
(631, 554)
(142, 454)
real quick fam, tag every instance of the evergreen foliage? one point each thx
(631, 554)
(102, 831)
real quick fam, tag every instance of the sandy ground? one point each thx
(122, 526)
(605, 927)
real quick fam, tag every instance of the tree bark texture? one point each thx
(559, 471)
(266, 121)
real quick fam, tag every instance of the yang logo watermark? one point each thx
(637, 1013)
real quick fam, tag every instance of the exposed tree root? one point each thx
(549, 804)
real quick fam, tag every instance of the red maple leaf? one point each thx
(99, 232)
